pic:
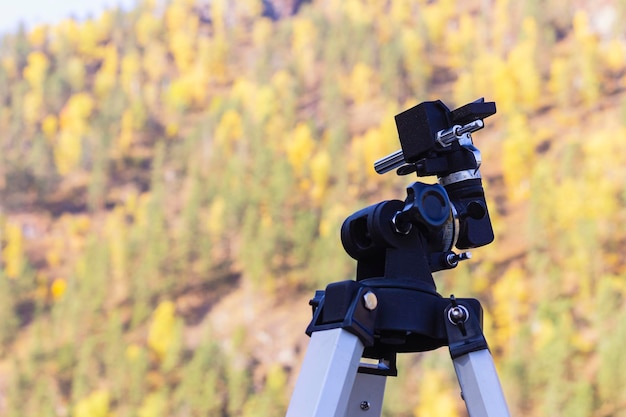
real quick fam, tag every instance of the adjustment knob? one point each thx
(426, 204)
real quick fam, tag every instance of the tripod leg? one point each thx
(366, 398)
(327, 375)
(480, 385)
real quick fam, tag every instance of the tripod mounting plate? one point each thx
(408, 317)
(421, 128)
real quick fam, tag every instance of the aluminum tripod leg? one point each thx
(327, 376)
(480, 385)
(366, 399)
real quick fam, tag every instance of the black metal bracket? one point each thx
(464, 327)
(342, 306)
(403, 318)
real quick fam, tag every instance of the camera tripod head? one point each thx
(414, 238)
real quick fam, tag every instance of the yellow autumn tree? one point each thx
(436, 398)
(67, 151)
(463, 88)
(356, 12)
(73, 124)
(38, 36)
(614, 55)
(147, 27)
(215, 218)
(95, 404)
(400, 11)
(461, 43)
(263, 104)
(182, 23)
(103, 26)
(50, 126)
(500, 26)
(175, 16)
(125, 137)
(116, 236)
(300, 148)
(257, 101)
(483, 70)
(560, 83)
(372, 145)
(162, 328)
(32, 106)
(261, 32)
(153, 405)
(154, 61)
(512, 294)
(212, 58)
(504, 87)
(35, 74)
(177, 96)
(130, 74)
(605, 157)
(13, 256)
(587, 58)
(58, 288)
(518, 154)
(362, 84)
(9, 65)
(435, 16)
(247, 9)
(76, 73)
(282, 84)
(303, 47)
(65, 36)
(75, 113)
(320, 173)
(241, 89)
(523, 66)
(414, 60)
(385, 29)
(229, 130)
(182, 45)
(36, 68)
(88, 39)
(106, 77)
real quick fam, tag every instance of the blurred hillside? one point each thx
(173, 180)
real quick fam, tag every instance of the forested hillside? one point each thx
(173, 179)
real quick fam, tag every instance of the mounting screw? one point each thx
(453, 259)
(365, 405)
(370, 301)
(458, 314)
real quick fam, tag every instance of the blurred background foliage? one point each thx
(173, 179)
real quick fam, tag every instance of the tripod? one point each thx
(393, 307)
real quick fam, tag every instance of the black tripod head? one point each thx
(410, 239)
(393, 305)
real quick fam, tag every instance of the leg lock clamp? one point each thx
(346, 305)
